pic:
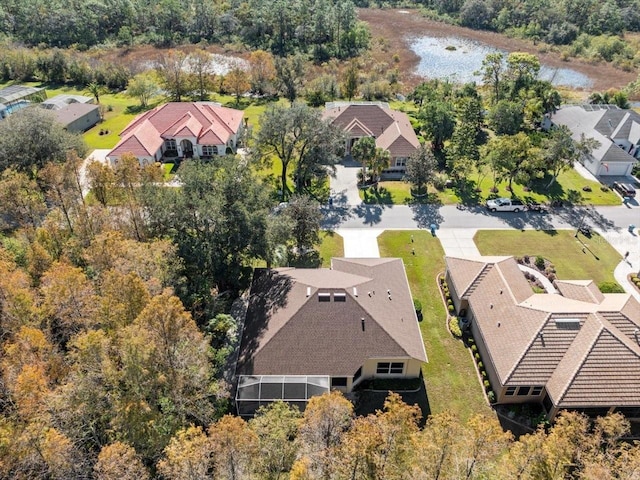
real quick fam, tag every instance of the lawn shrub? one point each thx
(474, 348)
(451, 308)
(417, 305)
(610, 287)
(491, 396)
(487, 385)
(540, 262)
(454, 327)
(477, 357)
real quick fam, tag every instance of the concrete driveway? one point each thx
(344, 186)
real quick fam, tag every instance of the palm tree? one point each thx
(379, 162)
(95, 90)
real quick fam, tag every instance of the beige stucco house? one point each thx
(578, 349)
(391, 129)
(178, 130)
(311, 330)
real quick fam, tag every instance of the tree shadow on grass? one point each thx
(467, 192)
(377, 196)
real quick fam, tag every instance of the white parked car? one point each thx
(506, 205)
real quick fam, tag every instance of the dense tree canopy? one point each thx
(32, 137)
(324, 29)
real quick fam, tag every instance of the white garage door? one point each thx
(617, 169)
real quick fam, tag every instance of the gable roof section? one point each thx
(289, 331)
(601, 124)
(391, 128)
(209, 122)
(582, 290)
(142, 142)
(585, 347)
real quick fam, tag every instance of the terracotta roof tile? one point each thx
(205, 120)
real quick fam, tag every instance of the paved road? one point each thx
(449, 216)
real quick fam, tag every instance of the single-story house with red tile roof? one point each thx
(578, 349)
(311, 330)
(391, 129)
(180, 130)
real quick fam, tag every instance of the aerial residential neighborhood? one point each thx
(320, 240)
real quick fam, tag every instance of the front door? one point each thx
(187, 148)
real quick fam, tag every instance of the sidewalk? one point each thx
(624, 241)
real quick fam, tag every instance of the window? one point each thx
(523, 391)
(170, 144)
(324, 297)
(338, 382)
(358, 374)
(535, 391)
(510, 391)
(401, 161)
(385, 368)
(209, 150)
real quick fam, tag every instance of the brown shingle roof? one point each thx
(289, 331)
(391, 129)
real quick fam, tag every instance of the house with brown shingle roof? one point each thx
(311, 330)
(391, 129)
(576, 350)
(180, 130)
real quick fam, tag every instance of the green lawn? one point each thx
(568, 187)
(331, 246)
(450, 376)
(392, 192)
(596, 263)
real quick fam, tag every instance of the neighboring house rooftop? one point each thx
(209, 122)
(582, 344)
(604, 123)
(61, 101)
(14, 93)
(73, 111)
(391, 128)
(329, 321)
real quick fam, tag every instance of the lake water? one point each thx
(463, 63)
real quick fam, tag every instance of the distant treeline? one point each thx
(322, 28)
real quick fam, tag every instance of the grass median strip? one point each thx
(450, 375)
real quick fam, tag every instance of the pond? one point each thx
(460, 60)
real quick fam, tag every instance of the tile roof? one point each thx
(290, 331)
(582, 344)
(144, 141)
(391, 128)
(582, 290)
(207, 121)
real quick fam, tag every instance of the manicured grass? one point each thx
(331, 246)
(560, 247)
(387, 193)
(450, 376)
(567, 187)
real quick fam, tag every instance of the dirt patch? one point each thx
(395, 28)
